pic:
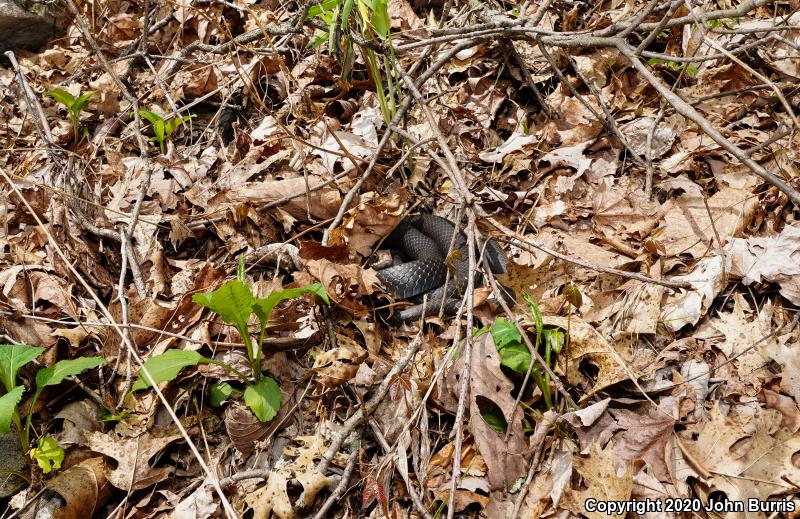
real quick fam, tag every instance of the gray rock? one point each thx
(11, 459)
(27, 24)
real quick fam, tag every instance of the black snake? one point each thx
(423, 242)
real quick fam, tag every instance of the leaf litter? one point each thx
(677, 302)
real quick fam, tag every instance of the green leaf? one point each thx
(325, 5)
(477, 332)
(8, 403)
(152, 117)
(347, 8)
(494, 418)
(241, 272)
(78, 104)
(62, 369)
(173, 123)
(263, 307)
(220, 392)
(554, 338)
(537, 314)
(380, 18)
(165, 367)
(12, 358)
(513, 352)
(516, 356)
(233, 301)
(62, 96)
(364, 7)
(263, 398)
(48, 454)
(504, 333)
(158, 126)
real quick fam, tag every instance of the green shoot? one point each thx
(48, 454)
(672, 65)
(162, 128)
(370, 18)
(235, 303)
(514, 353)
(74, 106)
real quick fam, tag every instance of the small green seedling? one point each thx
(73, 104)
(234, 302)
(163, 128)
(514, 353)
(47, 454)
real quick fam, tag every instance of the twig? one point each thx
(536, 441)
(466, 371)
(37, 114)
(686, 110)
(369, 407)
(340, 488)
(527, 244)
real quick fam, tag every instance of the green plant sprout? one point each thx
(48, 454)
(514, 353)
(74, 105)
(162, 128)
(235, 303)
(372, 22)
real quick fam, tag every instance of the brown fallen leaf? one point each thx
(80, 418)
(345, 284)
(587, 345)
(749, 455)
(339, 365)
(473, 469)
(784, 405)
(602, 479)
(491, 391)
(369, 222)
(645, 437)
(244, 429)
(274, 497)
(688, 228)
(769, 259)
(83, 487)
(133, 454)
(200, 504)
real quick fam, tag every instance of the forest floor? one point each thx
(198, 188)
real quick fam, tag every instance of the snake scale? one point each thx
(420, 268)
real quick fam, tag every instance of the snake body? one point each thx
(423, 241)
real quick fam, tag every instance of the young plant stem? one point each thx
(25, 435)
(252, 354)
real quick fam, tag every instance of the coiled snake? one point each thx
(423, 241)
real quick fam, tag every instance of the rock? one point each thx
(11, 459)
(27, 25)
